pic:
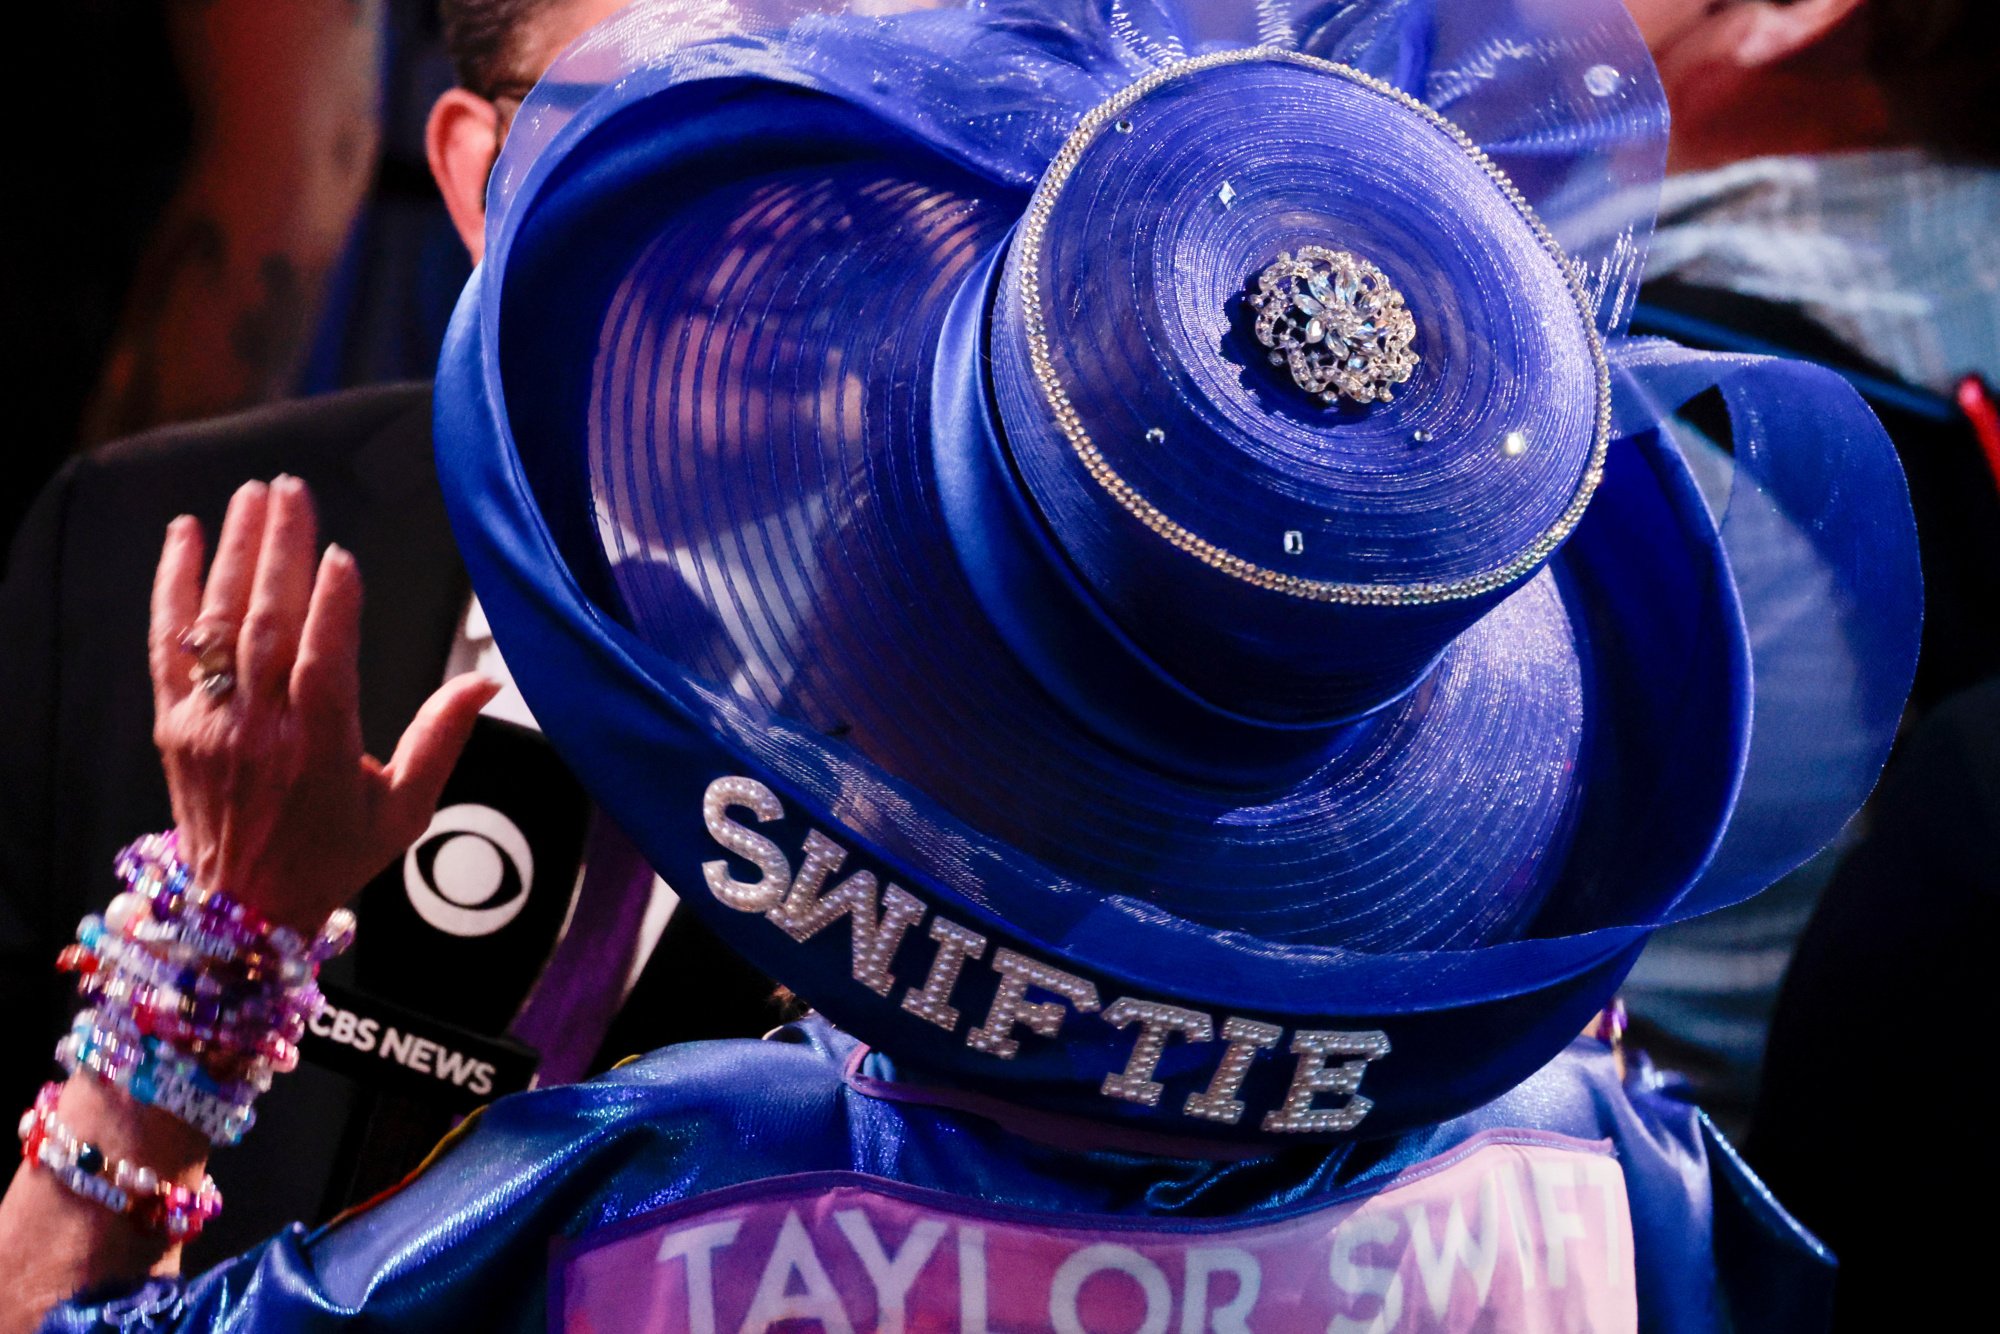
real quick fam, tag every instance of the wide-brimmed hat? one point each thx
(1123, 553)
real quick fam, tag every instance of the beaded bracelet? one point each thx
(110, 1037)
(148, 1072)
(253, 1029)
(133, 1192)
(212, 945)
(196, 998)
(229, 1045)
(154, 1073)
(214, 923)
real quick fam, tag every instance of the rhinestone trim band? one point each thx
(1034, 230)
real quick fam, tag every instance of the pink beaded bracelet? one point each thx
(132, 1192)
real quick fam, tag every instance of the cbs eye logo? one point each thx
(469, 875)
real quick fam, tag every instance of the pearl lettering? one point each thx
(1246, 1037)
(775, 872)
(805, 912)
(880, 916)
(1156, 1023)
(956, 945)
(1314, 1077)
(1012, 1007)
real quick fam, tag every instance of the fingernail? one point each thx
(179, 524)
(285, 482)
(337, 554)
(250, 488)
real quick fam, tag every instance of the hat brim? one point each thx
(696, 487)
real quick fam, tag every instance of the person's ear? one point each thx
(462, 141)
(1768, 33)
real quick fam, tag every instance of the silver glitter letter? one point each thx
(1314, 1077)
(1157, 1022)
(805, 912)
(1011, 1005)
(956, 944)
(744, 895)
(1246, 1037)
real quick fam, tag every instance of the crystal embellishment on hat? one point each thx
(1338, 323)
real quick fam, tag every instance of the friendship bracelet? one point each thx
(196, 999)
(254, 1028)
(119, 1186)
(150, 1073)
(220, 1119)
(213, 922)
(207, 931)
(110, 1043)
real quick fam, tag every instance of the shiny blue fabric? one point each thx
(1563, 96)
(465, 1245)
(723, 470)
(1142, 269)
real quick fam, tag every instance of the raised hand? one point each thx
(256, 685)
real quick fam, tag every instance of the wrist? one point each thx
(123, 1128)
(271, 900)
(116, 1172)
(196, 1000)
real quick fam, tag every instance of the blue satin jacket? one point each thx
(467, 1243)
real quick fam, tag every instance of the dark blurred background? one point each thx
(225, 203)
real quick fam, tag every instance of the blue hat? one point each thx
(1123, 550)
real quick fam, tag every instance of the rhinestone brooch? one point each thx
(1337, 323)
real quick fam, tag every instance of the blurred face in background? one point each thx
(1748, 78)
(467, 126)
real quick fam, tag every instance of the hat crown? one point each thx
(1285, 557)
